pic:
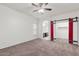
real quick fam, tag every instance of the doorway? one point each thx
(45, 30)
(61, 30)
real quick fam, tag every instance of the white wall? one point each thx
(15, 27)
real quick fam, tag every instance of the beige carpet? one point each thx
(41, 47)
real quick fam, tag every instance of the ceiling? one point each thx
(58, 8)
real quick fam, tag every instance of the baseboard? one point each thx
(11, 45)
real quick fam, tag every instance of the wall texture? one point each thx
(15, 27)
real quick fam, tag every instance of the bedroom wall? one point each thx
(16, 27)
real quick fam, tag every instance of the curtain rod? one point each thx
(68, 19)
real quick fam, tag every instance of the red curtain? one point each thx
(70, 30)
(51, 31)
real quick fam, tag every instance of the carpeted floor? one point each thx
(41, 47)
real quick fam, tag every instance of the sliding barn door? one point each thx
(51, 30)
(70, 30)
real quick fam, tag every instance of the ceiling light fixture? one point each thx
(41, 7)
(41, 11)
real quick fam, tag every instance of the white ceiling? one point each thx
(58, 8)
